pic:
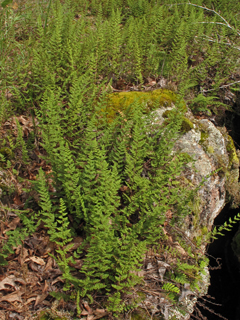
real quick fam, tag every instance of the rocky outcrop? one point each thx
(215, 164)
(214, 168)
(213, 173)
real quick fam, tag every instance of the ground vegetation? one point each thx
(89, 188)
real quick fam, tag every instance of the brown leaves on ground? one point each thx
(90, 314)
(31, 274)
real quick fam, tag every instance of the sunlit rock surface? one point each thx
(214, 166)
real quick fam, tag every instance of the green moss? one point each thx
(204, 140)
(233, 158)
(204, 230)
(210, 149)
(187, 125)
(167, 113)
(204, 136)
(149, 100)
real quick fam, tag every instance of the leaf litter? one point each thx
(31, 274)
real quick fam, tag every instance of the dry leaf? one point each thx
(15, 316)
(14, 6)
(99, 313)
(13, 297)
(123, 188)
(12, 225)
(10, 281)
(37, 260)
(40, 298)
(17, 200)
(33, 266)
(77, 264)
(45, 286)
(76, 243)
(86, 306)
(30, 300)
(8, 95)
(49, 264)
(84, 313)
(22, 256)
(180, 249)
(57, 279)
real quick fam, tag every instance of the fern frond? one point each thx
(170, 287)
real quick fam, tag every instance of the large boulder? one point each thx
(213, 170)
(213, 173)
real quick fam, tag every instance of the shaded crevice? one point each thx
(225, 281)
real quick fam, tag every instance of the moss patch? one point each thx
(210, 149)
(187, 125)
(233, 158)
(204, 136)
(150, 100)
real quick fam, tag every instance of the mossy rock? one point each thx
(150, 100)
(233, 158)
(204, 230)
(186, 125)
(204, 136)
(210, 149)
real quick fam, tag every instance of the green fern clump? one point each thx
(116, 181)
(204, 104)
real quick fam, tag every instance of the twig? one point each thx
(209, 301)
(225, 43)
(210, 310)
(211, 10)
(224, 86)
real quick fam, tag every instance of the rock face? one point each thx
(214, 166)
(206, 145)
(214, 169)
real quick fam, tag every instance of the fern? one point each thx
(180, 278)
(227, 226)
(203, 103)
(170, 287)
